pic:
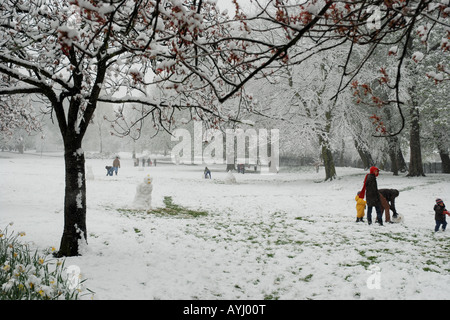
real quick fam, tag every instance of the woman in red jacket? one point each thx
(370, 190)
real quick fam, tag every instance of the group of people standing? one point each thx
(144, 161)
(380, 199)
(384, 199)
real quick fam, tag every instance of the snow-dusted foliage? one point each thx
(16, 113)
(80, 52)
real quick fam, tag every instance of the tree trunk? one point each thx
(74, 202)
(327, 156)
(441, 138)
(392, 145)
(230, 167)
(101, 139)
(394, 166)
(415, 163)
(365, 155)
(341, 155)
(328, 162)
(394, 151)
(401, 163)
(398, 162)
(445, 162)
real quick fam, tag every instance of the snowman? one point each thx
(230, 178)
(143, 198)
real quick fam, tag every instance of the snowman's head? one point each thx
(148, 179)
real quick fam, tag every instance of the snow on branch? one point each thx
(82, 52)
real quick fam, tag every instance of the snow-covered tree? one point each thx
(74, 54)
(298, 102)
(17, 114)
(431, 89)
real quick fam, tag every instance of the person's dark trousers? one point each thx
(379, 214)
(439, 223)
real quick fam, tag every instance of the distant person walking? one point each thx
(116, 165)
(207, 173)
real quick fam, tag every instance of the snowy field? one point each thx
(285, 236)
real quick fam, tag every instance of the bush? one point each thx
(27, 275)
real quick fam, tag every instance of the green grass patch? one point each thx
(272, 296)
(304, 219)
(173, 209)
(170, 209)
(307, 278)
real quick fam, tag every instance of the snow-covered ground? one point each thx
(285, 236)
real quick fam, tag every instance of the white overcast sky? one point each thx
(228, 4)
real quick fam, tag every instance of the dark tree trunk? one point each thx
(445, 162)
(230, 167)
(74, 201)
(72, 130)
(328, 162)
(393, 154)
(441, 138)
(396, 156)
(327, 157)
(365, 155)
(415, 163)
(394, 151)
(394, 166)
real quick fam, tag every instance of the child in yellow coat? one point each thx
(360, 206)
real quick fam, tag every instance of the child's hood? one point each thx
(359, 200)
